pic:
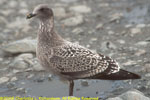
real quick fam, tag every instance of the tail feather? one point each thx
(121, 75)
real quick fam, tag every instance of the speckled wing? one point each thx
(79, 62)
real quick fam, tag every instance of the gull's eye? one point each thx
(42, 9)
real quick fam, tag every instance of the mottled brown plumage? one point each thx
(71, 61)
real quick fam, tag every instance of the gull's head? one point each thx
(42, 11)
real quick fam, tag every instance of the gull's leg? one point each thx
(71, 85)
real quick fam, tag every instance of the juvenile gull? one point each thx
(71, 61)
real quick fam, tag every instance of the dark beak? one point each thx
(30, 16)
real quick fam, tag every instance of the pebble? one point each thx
(21, 90)
(107, 45)
(128, 25)
(73, 21)
(3, 21)
(30, 76)
(148, 83)
(146, 68)
(140, 52)
(111, 32)
(4, 80)
(147, 75)
(60, 12)
(23, 4)
(99, 26)
(135, 31)
(20, 24)
(22, 61)
(116, 17)
(23, 11)
(129, 63)
(36, 66)
(84, 83)
(131, 95)
(50, 77)
(78, 31)
(12, 4)
(11, 85)
(20, 46)
(68, 1)
(140, 25)
(15, 71)
(121, 41)
(142, 43)
(80, 9)
(13, 79)
(19, 64)
(147, 39)
(25, 56)
(104, 4)
(93, 39)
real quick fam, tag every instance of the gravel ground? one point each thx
(117, 28)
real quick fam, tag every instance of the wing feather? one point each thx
(79, 62)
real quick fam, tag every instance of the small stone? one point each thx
(116, 17)
(40, 80)
(78, 31)
(146, 68)
(25, 56)
(13, 79)
(121, 41)
(111, 32)
(93, 39)
(19, 24)
(59, 12)
(135, 31)
(77, 89)
(80, 9)
(11, 85)
(50, 77)
(21, 90)
(36, 66)
(110, 45)
(3, 21)
(84, 83)
(19, 64)
(4, 80)
(23, 4)
(30, 76)
(128, 25)
(20, 46)
(23, 11)
(129, 63)
(107, 45)
(140, 25)
(99, 26)
(147, 75)
(12, 3)
(131, 95)
(116, 98)
(68, 1)
(22, 61)
(134, 95)
(140, 52)
(147, 39)
(104, 4)
(142, 43)
(15, 71)
(73, 21)
(148, 83)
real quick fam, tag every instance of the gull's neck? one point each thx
(47, 35)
